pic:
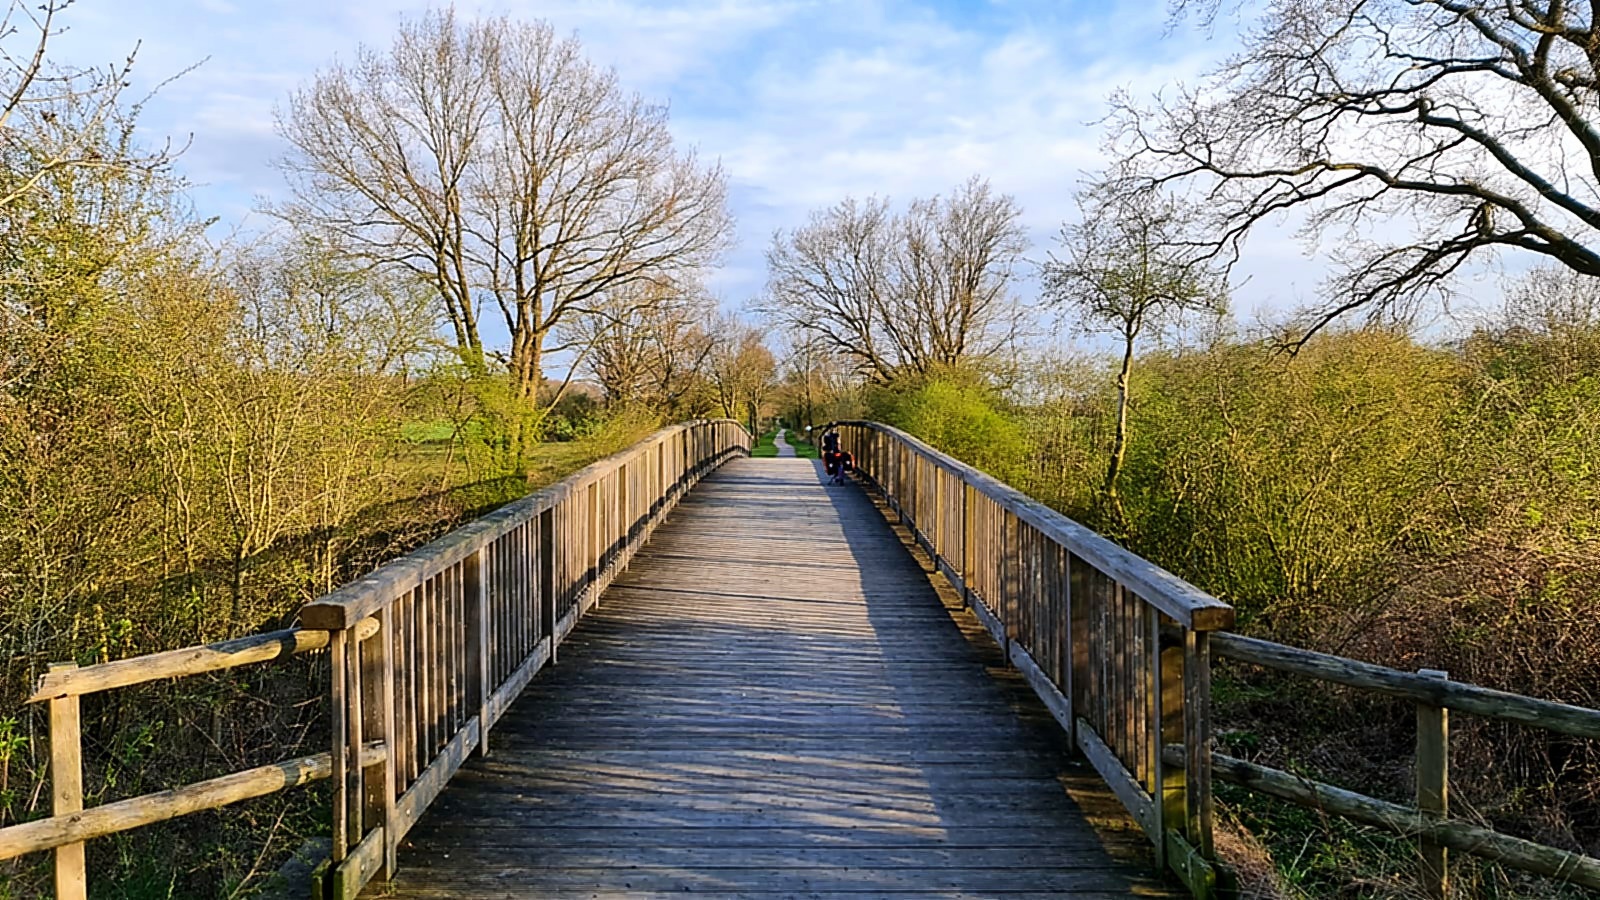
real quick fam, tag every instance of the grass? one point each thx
(764, 445)
(802, 447)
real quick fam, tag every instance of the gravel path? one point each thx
(784, 447)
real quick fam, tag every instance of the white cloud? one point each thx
(803, 101)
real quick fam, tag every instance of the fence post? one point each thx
(66, 788)
(479, 640)
(1433, 786)
(377, 671)
(968, 551)
(337, 712)
(1197, 738)
(546, 578)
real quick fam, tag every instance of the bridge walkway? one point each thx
(776, 700)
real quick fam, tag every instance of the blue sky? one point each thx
(802, 101)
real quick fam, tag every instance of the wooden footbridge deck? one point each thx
(773, 700)
(682, 670)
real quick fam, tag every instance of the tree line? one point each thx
(199, 435)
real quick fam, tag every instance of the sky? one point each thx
(803, 102)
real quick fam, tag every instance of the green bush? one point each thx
(959, 414)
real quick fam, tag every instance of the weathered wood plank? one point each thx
(773, 698)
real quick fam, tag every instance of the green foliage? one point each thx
(956, 412)
(1285, 484)
(803, 447)
(765, 445)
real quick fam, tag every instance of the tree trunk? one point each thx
(1119, 443)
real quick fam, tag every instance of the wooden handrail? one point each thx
(1062, 631)
(1488, 703)
(1085, 621)
(429, 649)
(254, 648)
(1176, 598)
(468, 620)
(1518, 853)
(123, 815)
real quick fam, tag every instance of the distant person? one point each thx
(831, 455)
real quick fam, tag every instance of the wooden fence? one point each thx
(1120, 651)
(427, 653)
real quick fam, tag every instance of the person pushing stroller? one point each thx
(836, 462)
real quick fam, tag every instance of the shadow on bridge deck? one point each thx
(775, 700)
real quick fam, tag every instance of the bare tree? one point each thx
(492, 160)
(644, 344)
(1427, 131)
(1130, 267)
(903, 293)
(54, 118)
(740, 367)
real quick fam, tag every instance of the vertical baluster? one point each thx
(378, 714)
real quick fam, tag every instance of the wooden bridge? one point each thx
(769, 686)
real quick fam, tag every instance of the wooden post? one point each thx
(66, 788)
(596, 552)
(337, 714)
(968, 551)
(479, 616)
(1078, 637)
(356, 791)
(1197, 739)
(377, 669)
(544, 574)
(1433, 786)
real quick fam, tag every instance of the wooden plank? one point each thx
(793, 710)
(1198, 802)
(339, 713)
(66, 789)
(1468, 698)
(414, 802)
(72, 828)
(1562, 865)
(360, 867)
(1119, 779)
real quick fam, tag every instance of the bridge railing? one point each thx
(1120, 651)
(428, 652)
(1117, 648)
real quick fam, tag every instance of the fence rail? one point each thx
(1120, 651)
(1116, 647)
(427, 652)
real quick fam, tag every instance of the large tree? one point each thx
(1417, 134)
(903, 293)
(496, 163)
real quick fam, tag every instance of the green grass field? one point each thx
(764, 445)
(802, 447)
